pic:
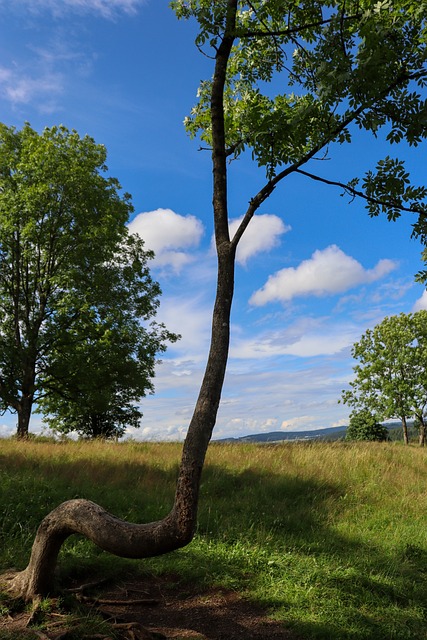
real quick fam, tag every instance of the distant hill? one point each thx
(332, 433)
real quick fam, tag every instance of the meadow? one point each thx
(331, 538)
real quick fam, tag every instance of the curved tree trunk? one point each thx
(177, 528)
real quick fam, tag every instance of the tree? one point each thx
(72, 279)
(390, 379)
(365, 426)
(353, 64)
(93, 387)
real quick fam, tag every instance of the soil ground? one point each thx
(158, 608)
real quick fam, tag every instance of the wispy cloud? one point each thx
(18, 87)
(253, 401)
(41, 79)
(189, 315)
(305, 338)
(327, 272)
(104, 8)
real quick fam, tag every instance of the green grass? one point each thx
(330, 537)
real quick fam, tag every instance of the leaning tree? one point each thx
(344, 65)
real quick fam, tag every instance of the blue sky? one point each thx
(314, 271)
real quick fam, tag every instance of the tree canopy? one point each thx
(76, 295)
(390, 379)
(301, 77)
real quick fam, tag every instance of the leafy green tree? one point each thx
(94, 384)
(365, 426)
(72, 279)
(340, 66)
(390, 380)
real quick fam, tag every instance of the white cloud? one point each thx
(322, 343)
(299, 422)
(18, 87)
(421, 303)
(327, 272)
(306, 338)
(167, 233)
(262, 234)
(7, 430)
(104, 8)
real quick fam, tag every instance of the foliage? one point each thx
(332, 520)
(74, 285)
(364, 426)
(390, 379)
(111, 364)
(345, 66)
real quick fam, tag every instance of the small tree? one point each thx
(364, 426)
(390, 380)
(72, 279)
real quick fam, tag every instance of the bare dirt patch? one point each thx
(159, 608)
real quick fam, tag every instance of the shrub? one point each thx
(364, 426)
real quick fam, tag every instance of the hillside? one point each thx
(325, 435)
(333, 433)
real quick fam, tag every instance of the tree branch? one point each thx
(294, 30)
(265, 192)
(360, 194)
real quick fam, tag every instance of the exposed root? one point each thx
(136, 631)
(6, 580)
(149, 602)
(88, 585)
(16, 584)
(34, 616)
(41, 635)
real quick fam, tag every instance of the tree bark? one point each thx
(405, 431)
(422, 431)
(24, 415)
(177, 528)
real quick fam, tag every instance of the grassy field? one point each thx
(331, 538)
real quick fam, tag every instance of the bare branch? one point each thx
(356, 193)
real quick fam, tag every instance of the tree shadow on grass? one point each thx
(273, 536)
(347, 588)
